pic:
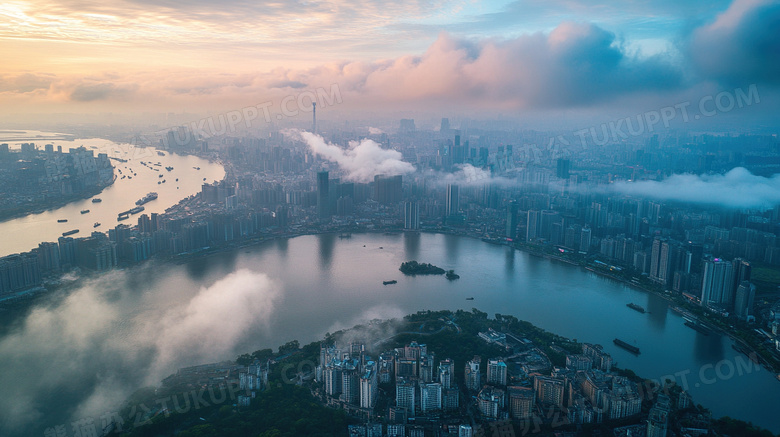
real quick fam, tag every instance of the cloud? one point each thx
(113, 335)
(362, 160)
(25, 83)
(736, 189)
(741, 46)
(98, 91)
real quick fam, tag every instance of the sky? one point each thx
(82, 56)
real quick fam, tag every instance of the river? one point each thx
(79, 353)
(24, 233)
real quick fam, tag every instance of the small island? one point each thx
(413, 268)
(451, 275)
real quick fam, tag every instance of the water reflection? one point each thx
(658, 309)
(509, 262)
(411, 245)
(326, 244)
(708, 348)
(451, 248)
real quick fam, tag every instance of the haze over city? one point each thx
(412, 218)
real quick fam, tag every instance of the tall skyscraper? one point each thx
(411, 216)
(447, 373)
(453, 200)
(472, 376)
(388, 189)
(562, 170)
(743, 303)
(314, 118)
(511, 220)
(496, 372)
(532, 225)
(323, 198)
(717, 281)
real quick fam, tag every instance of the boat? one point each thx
(697, 327)
(389, 282)
(169, 168)
(469, 298)
(159, 176)
(146, 199)
(177, 179)
(635, 307)
(631, 348)
(136, 210)
(96, 225)
(62, 221)
(84, 211)
(65, 234)
(97, 200)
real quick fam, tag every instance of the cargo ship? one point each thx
(389, 282)
(146, 199)
(97, 200)
(136, 210)
(84, 211)
(65, 234)
(62, 221)
(635, 307)
(626, 346)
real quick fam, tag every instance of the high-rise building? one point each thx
(563, 166)
(369, 385)
(411, 216)
(453, 200)
(511, 221)
(430, 397)
(472, 376)
(549, 390)
(465, 431)
(521, 402)
(743, 303)
(323, 198)
(585, 237)
(717, 281)
(490, 401)
(447, 373)
(532, 226)
(388, 189)
(496, 372)
(405, 394)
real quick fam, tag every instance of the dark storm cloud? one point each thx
(742, 45)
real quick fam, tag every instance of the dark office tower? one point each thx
(407, 125)
(453, 200)
(323, 199)
(314, 117)
(743, 303)
(564, 165)
(49, 256)
(717, 281)
(741, 272)
(458, 151)
(511, 221)
(387, 189)
(532, 227)
(445, 125)
(411, 216)
(281, 216)
(548, 217)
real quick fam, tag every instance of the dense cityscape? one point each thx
(390, 218)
